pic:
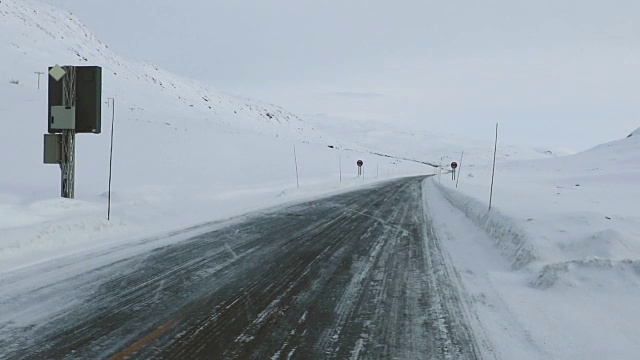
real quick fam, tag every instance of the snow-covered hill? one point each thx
(35, 35)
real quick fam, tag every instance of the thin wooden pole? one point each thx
(340, 163)
(493, 173)
(459, 169)
(113, 118)
(295, 157)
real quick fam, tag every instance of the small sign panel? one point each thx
(57, 72)
(454, 165)
(52, 148)
(63, 118)
(360, 163)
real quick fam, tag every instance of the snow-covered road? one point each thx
(356, 275)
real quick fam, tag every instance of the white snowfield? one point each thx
(552, 272)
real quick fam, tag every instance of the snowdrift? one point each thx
(512, 241)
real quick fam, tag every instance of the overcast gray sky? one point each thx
(562, 73)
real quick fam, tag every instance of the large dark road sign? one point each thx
(88, 98)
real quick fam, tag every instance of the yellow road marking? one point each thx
(138, 345)
(145, 340)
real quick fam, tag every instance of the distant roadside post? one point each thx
(493, 172)
(460, 169)
(39, 73)
(359, 163)
(74, 106)
(454, 166)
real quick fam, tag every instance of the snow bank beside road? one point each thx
(512, 241)
(32, 232)
(578, 216)
(567, 208)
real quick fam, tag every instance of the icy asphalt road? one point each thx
(356, 275)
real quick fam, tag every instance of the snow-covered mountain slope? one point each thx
(35, 35)
(422, 146)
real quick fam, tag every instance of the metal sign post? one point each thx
(359, 163)
(68, 164)
(75, 98)
(454, 166)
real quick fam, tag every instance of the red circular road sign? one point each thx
(454, 165)
(360, 163)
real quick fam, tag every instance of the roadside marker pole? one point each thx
(295, 158)
(340, 164)
(493, 173)
(39, 73)
(113, 117)
(459, 169)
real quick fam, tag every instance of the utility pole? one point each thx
(39, 74)
(68, 164)
(113, 117)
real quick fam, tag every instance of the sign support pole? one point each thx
(68, 164)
